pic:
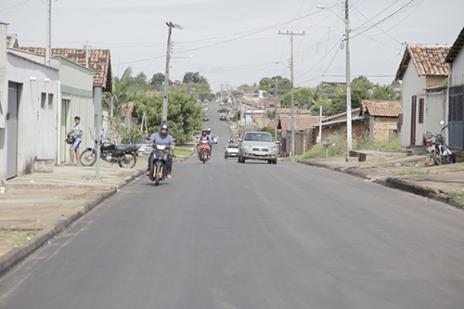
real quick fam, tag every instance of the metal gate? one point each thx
(12, 130)
(456, 117)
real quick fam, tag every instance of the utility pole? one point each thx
(292, 106)
(276, 100)
(348, 81)
(164, 114)
(48, 53)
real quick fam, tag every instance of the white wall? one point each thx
(413, 84)
(457, 72)
(77, 86)
(37, 126)
(435, 111)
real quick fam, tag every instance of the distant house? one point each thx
(455, 58)
(376, 120)
(29, 93)
(383, 119)
(424, 74)
(303, 125)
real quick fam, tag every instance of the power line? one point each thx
(326, 69)
(378, 14)
(250, 33)
(383, 19)
(14, 6)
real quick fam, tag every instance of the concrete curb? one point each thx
(13, 257)
(395, 183)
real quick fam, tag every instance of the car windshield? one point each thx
(232, 146)
(258, 137)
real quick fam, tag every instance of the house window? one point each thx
(421, 110)
(43, 99)
(50, 99)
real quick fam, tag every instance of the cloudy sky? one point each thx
(237, 41)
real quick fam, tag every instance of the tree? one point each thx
(193, 82)
(184, 114)
(157, 81)
(386, 92)
(361, 89)
(269, 84)
(303, 97)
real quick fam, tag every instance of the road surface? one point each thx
(229, 235)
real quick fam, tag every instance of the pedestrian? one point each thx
(76, 135)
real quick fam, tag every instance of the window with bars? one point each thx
(421, 111)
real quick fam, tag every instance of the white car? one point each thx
(231, 151)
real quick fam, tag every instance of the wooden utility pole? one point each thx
(292, 106)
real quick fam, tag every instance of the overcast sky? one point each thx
(236, 41)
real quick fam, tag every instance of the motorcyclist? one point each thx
(163, 138)
(205, 136)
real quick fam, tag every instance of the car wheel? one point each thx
(269, 161)
(274, 161)
(225, 156)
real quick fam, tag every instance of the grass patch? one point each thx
(337, 148)
(413, 172)
(182, 151)
(10, 239)
(391, 146)
(457, 197)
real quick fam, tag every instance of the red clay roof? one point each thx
(382, 108)
(428, 60)
(302, 122)
(99, 61)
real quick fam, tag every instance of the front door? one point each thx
(12, 130)
(64, 128)
(456, 117)
(413, 119)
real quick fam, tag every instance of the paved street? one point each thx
(229, 235)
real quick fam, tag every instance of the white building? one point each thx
(423, 73)
(76, 99)
(29, 93)
(455, 59)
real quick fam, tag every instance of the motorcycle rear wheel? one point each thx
(129, 161)
(88, 157)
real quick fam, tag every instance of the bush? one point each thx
(337, 148)
(390, 146)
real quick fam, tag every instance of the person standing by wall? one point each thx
(76, 135)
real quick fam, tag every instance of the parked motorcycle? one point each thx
(159, 158)
(437, 147)
(124, 155)
(203, 151)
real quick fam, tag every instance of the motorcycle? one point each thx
(158, 171)
(437, 147)
(124, 155)
(203, 151)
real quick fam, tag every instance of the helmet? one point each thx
(203, 133)
(164, 129)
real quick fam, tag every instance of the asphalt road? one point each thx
(228, 235)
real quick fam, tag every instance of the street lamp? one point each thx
(346, 20)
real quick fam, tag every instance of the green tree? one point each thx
(184, 114)
(157, 81)
(269, 84)
(303, 97)
(385, 92)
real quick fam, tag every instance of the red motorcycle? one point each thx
(204, 150)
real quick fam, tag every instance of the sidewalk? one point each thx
(414, 174)
(37, 206)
